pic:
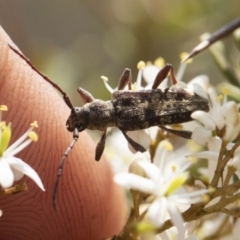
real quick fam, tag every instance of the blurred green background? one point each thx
(75, 42)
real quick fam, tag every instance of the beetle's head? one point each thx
(77, 120)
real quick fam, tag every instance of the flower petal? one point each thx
(214, 144)
(200, 85)
(202, 80)
(133, 181)
(232, 121)
(156, 211)
(199, 90)
(207, 154)
(201, 136)
(204, 118)
(17, 174)
(6, 174)
(151, 170)
(149, 73)
(163, 153)
(165, 235)
(177, 219)
(235, 161)
(192, 237)
(190, 228)
(23, 167)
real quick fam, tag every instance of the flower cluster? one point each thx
(169, 187)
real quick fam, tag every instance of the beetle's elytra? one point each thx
(128, 110)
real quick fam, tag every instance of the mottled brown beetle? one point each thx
(128, 110)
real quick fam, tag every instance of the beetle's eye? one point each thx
(77, 109)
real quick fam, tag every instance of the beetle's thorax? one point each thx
(99, 115)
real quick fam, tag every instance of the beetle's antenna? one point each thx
(65, 96)
(60, 168)
(219, 34)
(69, 104)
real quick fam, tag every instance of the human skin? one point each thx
(91, 205)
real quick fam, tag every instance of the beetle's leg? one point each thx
(100, 145)
(180, 133)
(163, 73)
(85, 95)
(125, 79)
(135, 145)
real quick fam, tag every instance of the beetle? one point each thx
(128, 110)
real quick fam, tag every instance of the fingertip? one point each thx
(86, 188)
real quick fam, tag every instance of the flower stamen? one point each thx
(105, 81)
(3, 108)
(159, 62)
(33, 136)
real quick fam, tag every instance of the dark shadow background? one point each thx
(75, 42)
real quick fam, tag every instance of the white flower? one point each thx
(201, 86)
(212, 154)
(222, 118)
(170, 156)
(167, 190)
(149, 73)
(13, 168)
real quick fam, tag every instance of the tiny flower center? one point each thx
(141, 65)
(225, 91)
(159, 62)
